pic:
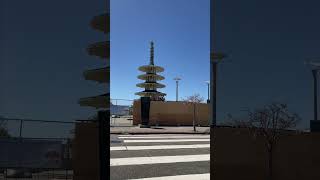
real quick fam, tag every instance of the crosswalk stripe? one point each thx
(166, 140)
(161, 137)
(146, 135)
(180, 177)
(195, 146)
(158, 159)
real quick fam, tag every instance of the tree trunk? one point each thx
(270, 158)
(194, 117)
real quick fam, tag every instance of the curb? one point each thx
(156, 130)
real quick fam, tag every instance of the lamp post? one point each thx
(215, 58)
(177, 79)
(208, 100)
(315, 124)
(315, 95)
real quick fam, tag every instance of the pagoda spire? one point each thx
(151, 54)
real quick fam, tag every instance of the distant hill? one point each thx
(119, 110)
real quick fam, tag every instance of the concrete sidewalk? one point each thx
(159, 130)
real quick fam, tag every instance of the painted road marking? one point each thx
(160, 137)
(195, 146)
(166, 140)
(158, 159)
(180, 177)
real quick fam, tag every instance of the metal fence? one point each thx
(121, 112)
(36, 149)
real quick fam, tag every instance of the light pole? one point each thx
(315, 124)
(208, 100)
(315, 93)
(177, 79)
(215, 58)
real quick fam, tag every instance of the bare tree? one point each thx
(193, 101)
(270, 122)
(162, 98)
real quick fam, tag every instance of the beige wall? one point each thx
(239, 156)
(172, 113)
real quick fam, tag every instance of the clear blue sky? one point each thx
(267, 43)
(181, 32)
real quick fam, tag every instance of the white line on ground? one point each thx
(127, 135)
(158, 159)
(167, 140)
(180, 177)
(195, 146)
(160, 137)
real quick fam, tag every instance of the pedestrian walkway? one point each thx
(159, 130)
(160, 157)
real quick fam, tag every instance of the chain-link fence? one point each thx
(121, 112)
(35, 149)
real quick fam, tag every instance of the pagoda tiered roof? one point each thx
(150, 94)
(101, 75)
(101, 23)
(100, 49)
(151, 77)
(150, 85)
(151, 69)
(101, 101)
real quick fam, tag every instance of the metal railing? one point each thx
(121, 112)
(25, 138)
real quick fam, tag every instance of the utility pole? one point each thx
(315, 97)
(20, 130)
(194, 117)
(215, 58)
(177, 79)
(315, 66)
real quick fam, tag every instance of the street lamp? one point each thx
(215, 58)
(177, 79)
(208, 83)
(315, 79)
(315, 66)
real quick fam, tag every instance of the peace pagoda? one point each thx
(151, 77)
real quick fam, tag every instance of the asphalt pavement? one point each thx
(160, 156)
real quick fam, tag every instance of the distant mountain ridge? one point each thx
(119, 110)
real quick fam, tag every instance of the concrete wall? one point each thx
(85, 152)
(238, 155)
(172, 113)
